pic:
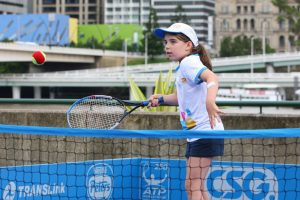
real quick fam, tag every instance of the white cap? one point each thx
(178, 28)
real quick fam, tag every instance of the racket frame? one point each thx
(136, 104)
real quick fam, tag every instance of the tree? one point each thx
(292, 14)
(155, 46)
(179, 15)
(241, 45)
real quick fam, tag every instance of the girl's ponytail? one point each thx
(204, 56)
(200, 50)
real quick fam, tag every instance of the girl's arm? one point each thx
(170, 99)
(212, 89)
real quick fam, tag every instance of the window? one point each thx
(49, 1)
(224, 9)
(238, 9)
(291, 42)
(281, 41)
(252, 9)
(291, 23)
(238, 24)
(282, 25)
(245, 9)
(252, 22)
(245, 24)
(225, 25)
(72, 1)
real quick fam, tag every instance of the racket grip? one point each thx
(160, 101)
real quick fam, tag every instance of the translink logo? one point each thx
(9, 191)
(27, 191)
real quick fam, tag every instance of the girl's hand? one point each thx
(154, 100)
(213, 113)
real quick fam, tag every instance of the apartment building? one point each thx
(13, 7)
(198, 13)
(86, 11)
(252, 18)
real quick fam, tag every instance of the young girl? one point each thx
(196, 90)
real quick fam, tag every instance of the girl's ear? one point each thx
(189, 46)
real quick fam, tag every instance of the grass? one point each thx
(109, 32)
(140, 61)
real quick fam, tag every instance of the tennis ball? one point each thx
(38, 58)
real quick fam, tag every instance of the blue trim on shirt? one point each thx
(198, 80)
(177, 68)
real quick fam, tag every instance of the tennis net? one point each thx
(64, 163)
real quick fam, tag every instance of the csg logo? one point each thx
(237, 182)
(99, 181)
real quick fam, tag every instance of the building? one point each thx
(86, 11)
(137, 12)
(42, 29)
(252, 18)
(132, 12)
(198, 13)
(126, 11)
(13, 7)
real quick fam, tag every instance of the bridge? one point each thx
(120, 78)
(21, 52)
(143, 75)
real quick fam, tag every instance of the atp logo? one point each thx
(154, 181)
(10, 191)
(99, 181)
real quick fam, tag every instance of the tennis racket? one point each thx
(101, 112)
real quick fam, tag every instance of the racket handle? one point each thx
(160, 101)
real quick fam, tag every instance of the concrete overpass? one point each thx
(21, 52)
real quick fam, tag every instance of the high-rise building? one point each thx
(86, 11)
(197, 12)
(13, 7)
(126, 11)
(252, 18)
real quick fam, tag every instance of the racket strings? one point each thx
(99, 113)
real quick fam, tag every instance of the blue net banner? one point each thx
(171, 134)
(145, 178)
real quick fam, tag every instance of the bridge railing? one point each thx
(260, 104)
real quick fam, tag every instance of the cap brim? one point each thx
(161, 32)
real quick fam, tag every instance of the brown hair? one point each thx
(200, 50)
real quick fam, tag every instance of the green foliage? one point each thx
(155, 45)
(179, 15)
(106, 36)
(12, 68)
(241, 45)
(161, 87)
(140, 61)
(291, 14)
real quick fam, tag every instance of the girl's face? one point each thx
(176, 49)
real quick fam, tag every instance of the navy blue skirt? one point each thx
(205, 148)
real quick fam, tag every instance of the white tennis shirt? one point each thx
(191, 94)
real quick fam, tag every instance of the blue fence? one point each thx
(145, 178)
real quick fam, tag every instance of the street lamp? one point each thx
(264, 39)
(125, 57)
(146, 49)
(252, 52)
